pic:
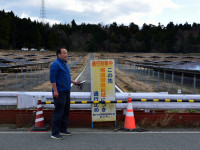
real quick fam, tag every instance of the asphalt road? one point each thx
(102, 139)
(85, 75)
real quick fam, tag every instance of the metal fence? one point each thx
(165, 81)
(26, 81)
(23, 81)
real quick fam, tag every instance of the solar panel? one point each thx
(2, 65)
(16, 61)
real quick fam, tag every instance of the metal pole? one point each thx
(182, 78)
(194, 84)
(142, 74)
(153, 78)
(16, 81)
(35, 76)
(30, 78)
(43, 76)
(24, 81)
(137, 73)
(172, 80)
(6, 78)
(164, 80)
(158, 78)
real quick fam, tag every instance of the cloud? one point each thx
(50, 21)
(140, 12)
(122, 11)
(95, 11)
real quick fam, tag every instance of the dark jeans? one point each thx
(61, 113)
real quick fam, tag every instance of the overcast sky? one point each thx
(108, 11)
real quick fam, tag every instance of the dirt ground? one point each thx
(74, 74)
(126, 82)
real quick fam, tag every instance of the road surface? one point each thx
(102, 139)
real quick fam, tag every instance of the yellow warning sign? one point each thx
(103, 89)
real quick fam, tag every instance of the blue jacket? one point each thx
(60, 73)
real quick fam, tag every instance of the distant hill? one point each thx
(16, 33)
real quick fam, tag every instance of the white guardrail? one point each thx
(25, 100)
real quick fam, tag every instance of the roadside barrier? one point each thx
(88, 102)
(122, 101)
(39, 119)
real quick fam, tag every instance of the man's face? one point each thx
(63, 55)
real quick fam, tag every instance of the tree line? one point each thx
(16, 33)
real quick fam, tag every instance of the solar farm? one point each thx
(135, 72)
(22, 71)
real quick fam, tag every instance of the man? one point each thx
(60, 79)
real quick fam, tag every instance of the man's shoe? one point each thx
(58, 137)
(65, 133)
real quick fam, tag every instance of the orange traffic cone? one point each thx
(39, 119)
(130, 119)
(129, 124)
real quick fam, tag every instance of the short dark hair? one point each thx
(58, 51)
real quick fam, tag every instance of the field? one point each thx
(130, 82)
(126, 81)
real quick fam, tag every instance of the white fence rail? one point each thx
(25, 100)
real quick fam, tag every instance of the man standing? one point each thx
(60, 79)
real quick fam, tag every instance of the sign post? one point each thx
(103, 89)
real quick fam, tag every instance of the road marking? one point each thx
(104, 132)
(82, 73)
(118, 89)
(79, 74)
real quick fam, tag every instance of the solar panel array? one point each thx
(20, 60)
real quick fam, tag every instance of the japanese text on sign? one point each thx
(103, 88)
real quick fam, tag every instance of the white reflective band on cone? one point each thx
(39, 112)
(39, 119)
(130, 114)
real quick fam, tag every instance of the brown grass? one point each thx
(74, 73)
(129, 83)
(164, 121)
(125, 81)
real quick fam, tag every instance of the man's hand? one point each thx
(55, 94)
(55, 91)
(77, 82)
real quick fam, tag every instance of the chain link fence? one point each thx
(165, 81)
(26, 81)
(23, 81)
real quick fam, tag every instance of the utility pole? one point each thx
(42, 12)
